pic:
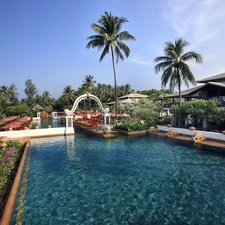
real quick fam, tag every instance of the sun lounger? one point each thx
(19, 124)
(7, 120)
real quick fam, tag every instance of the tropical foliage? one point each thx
(198, 110)
(133, 125)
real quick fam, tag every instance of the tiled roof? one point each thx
(134, 96)
(189, 92)
(212, 78)
(128, 98)
(184, 93)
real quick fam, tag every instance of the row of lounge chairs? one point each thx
(7, 120)
(86, 123)
(17, 124)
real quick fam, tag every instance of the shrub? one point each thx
(133, 125)
(8, 159)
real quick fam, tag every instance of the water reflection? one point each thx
(70, 147)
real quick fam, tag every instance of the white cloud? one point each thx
(138, 61)
(199, 21)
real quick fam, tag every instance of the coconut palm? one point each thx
(9, 93)
(4, 107)
(174, 67)
(68, 95)
(88, 85)
(110, 39)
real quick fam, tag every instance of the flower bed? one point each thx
(9, 162)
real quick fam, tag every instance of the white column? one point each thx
(105, 119)
(69, 125)
(69, 121)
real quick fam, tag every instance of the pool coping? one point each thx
(7, 213)
(210, 138)
(208, 141)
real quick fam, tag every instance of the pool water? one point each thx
(45, 122)
(148, 180)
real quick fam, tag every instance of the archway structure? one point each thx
(83, 97)
(69, 113)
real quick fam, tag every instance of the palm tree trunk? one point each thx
(115, 85)
(179, 88)
(89, 104)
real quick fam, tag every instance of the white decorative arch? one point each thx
(69, 113)
(82, 97)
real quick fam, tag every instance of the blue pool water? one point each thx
(129, 180)
(45, 122)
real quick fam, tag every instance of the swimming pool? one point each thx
(82, 179)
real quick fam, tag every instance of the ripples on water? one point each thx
(129, 180)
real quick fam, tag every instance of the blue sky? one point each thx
(45, 41)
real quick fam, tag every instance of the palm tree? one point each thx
(4, 91)
(88, 85)
(4, 107)
(173, 64)
(68, 95)
(9, 93)
(13, 94)
(109, 38)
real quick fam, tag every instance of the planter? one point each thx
(171, 133)
(3, 139)
(152, 130)
(106, 129)
(198, 137)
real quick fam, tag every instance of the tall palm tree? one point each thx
(173, 64)
(109, 38)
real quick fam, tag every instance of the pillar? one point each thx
(69, 122)
(69, 130)
(106, 119)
